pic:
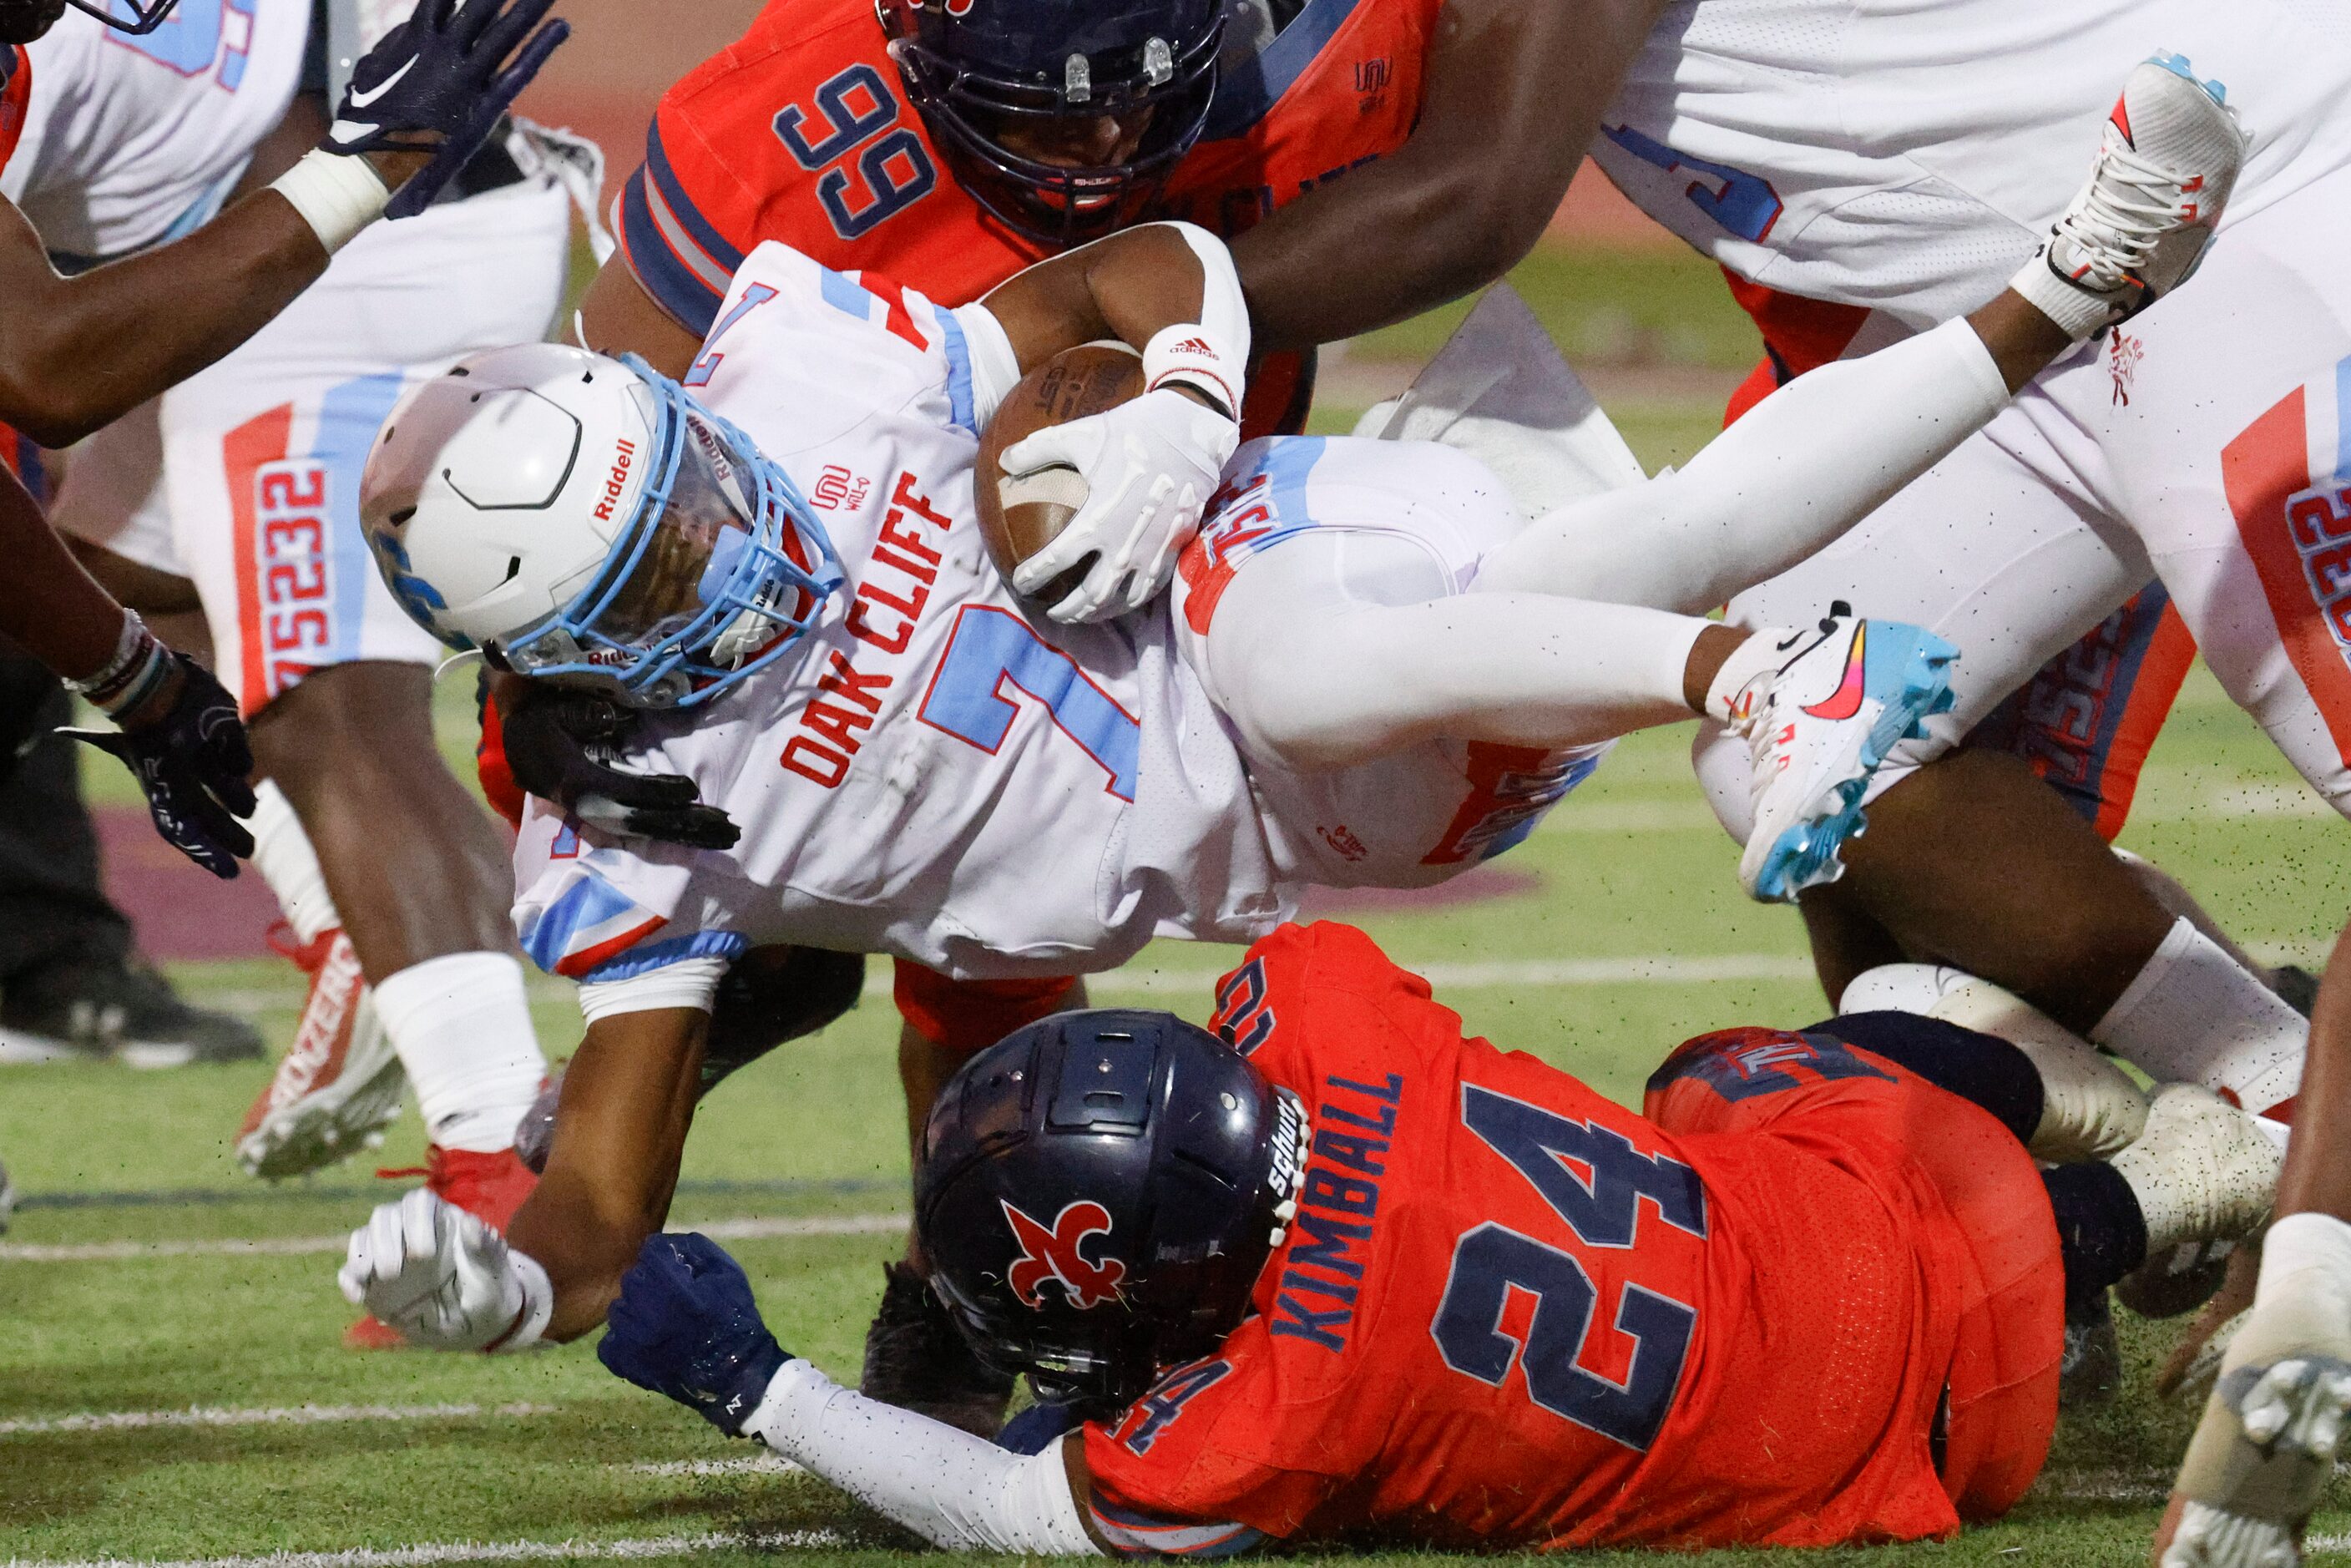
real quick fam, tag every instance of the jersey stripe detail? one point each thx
(698, 231)
(1244, 96)
(959, 353)
(590, 923)
(728, 945)
(685, 265)
(2298, 536)
(1132, 1534)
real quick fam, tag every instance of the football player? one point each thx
(946, 146)
(2265, 1448)
(245, 479)
(2194, 446)
(74, 352)
(1336, 1271)
(1373, 671)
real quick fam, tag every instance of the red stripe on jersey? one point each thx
(2280, 516)
(16, 96)
(575, 966)
(900, 323)
(244, 451)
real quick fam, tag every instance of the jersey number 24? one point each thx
(1491, 1261)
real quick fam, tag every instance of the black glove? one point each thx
(559, 743)
(685, 1325)
(434, 85)
(195, 766)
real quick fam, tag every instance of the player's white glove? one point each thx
(2265, 1448)
(443, 1279)
(1150, 466)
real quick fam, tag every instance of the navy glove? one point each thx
(1035, 1429)
(559, 743)
(440, 83)
(194, 765)
(685, 1325)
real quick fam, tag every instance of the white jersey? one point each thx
(934, 773)
(1910, 157)
(131, 142)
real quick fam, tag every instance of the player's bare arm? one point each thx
(2265, 1446)
(1515, 93)
(76, 353)
(446, 1280)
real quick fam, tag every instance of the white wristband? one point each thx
(1192, 355)
(336, 193)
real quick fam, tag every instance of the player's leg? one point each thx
(266, 451)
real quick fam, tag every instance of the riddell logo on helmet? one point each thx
(1055, 1252)
(618, 482)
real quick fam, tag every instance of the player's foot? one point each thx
(2090, 1109)
(491, 1186)
(1817, 730)
(916, 1359)
(2202, 1171)
(2091, 1369)
(83, 1011)
(2167, 161)
(338, 1085)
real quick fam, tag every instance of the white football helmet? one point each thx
(582, 519)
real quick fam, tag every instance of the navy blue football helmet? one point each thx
(990, 77)
(1100, 1192)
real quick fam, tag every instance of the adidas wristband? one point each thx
(1190, 356)
(338, 194)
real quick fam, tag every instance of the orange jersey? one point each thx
(801, 131)
(1512, 1312)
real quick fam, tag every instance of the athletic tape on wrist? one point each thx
(1190, 355)
(2307, 1244)
(338, 194)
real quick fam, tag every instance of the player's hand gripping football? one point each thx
(1150, 467)
(443, 1279)
(439, 84)
(559, 745)
(685, 1325)
(187, 748)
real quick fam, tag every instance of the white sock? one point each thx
(462, 1029)
(2195, 1015)
(282, 853)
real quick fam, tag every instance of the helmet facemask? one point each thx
(145, 15)
(722, 568)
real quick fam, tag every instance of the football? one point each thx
(1020, 514)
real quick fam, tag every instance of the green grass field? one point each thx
(171, 1382)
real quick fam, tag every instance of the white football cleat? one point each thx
(338, 1085)
(2202, 1171)
(2167, 163)
(2090, 1109)
(1818, 728)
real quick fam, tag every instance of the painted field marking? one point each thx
(764, 1465)
(634, 1550)
(315, 1245)
(272, 1415)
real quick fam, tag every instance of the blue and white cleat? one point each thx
(1849, 692)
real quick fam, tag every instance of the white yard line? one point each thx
(638, 1549)
(765, 1464)
(756, 1229)
(279, 1415)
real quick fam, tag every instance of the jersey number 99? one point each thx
(871, 172)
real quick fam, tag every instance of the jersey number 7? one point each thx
(1491, 1261)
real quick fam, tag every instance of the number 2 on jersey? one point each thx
(1491, 1261)
(990, 649)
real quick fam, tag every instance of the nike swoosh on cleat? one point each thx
(1845, 701)
(367, 99)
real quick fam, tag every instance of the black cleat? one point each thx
(127, 1011)
(916, 1359)
(2092, 1369)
